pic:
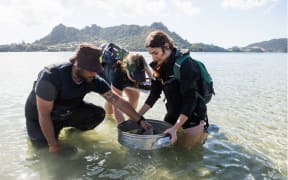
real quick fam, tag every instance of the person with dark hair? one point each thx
(56, 100)
(125, 71)
(184, 109)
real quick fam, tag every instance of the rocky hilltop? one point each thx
(63, 38)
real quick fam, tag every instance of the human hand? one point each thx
(173, 133)
(54, 148)
(145, 125)
(63, 150)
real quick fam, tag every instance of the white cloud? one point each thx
(32, 13)
(142, 8)
(245, 4)
(47, 12)
(146, 8)
(29, 20)
(186, 7)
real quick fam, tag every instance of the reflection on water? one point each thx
(249, 108)
(101, 156)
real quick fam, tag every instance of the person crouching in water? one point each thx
(184, 109)
(124, 71)
(56, 100)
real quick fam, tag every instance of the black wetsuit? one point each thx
(180, 94)
(55, 83)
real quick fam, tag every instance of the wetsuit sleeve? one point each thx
(190, 74)
(44, 87)
(155, 92)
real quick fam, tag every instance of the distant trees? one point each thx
(132, 37)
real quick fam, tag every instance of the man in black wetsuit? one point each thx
(56, 100)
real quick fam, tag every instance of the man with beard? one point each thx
(56, 100)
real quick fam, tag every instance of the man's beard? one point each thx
(79, 74)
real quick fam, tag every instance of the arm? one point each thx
(156, 89)
(173, 131)
(188, 86)
(125, 107)
(155, 92)
(190, 75)
(118, 114)
(148, 72)
(144, 109)
(46, 124)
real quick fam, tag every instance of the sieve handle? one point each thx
(162, 141)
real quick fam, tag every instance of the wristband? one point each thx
(140, 119)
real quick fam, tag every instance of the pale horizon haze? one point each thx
(224, 23)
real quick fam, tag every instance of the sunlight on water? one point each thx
(250, 110)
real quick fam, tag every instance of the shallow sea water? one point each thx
(249, 110)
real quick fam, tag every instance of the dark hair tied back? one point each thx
(158, 39)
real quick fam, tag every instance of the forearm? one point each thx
(173, 131)
(44, 109)
(121, 104)
(180, 121)
(47, 128)
(188, 105)
(125, 107)
(117, 113)
(144, 109)
(156, 89)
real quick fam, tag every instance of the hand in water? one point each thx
(173, 133)
(54, 148)
(64, 150)
(147, 126)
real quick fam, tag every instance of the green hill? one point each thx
(132, 37)
(274, 45)
(129, 36)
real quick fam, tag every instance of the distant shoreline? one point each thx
(145, 51)
(131, 37)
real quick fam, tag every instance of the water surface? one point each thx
(250, 110)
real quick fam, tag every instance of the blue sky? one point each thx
(224, 23)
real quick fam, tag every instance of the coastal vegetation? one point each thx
(63, 38)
